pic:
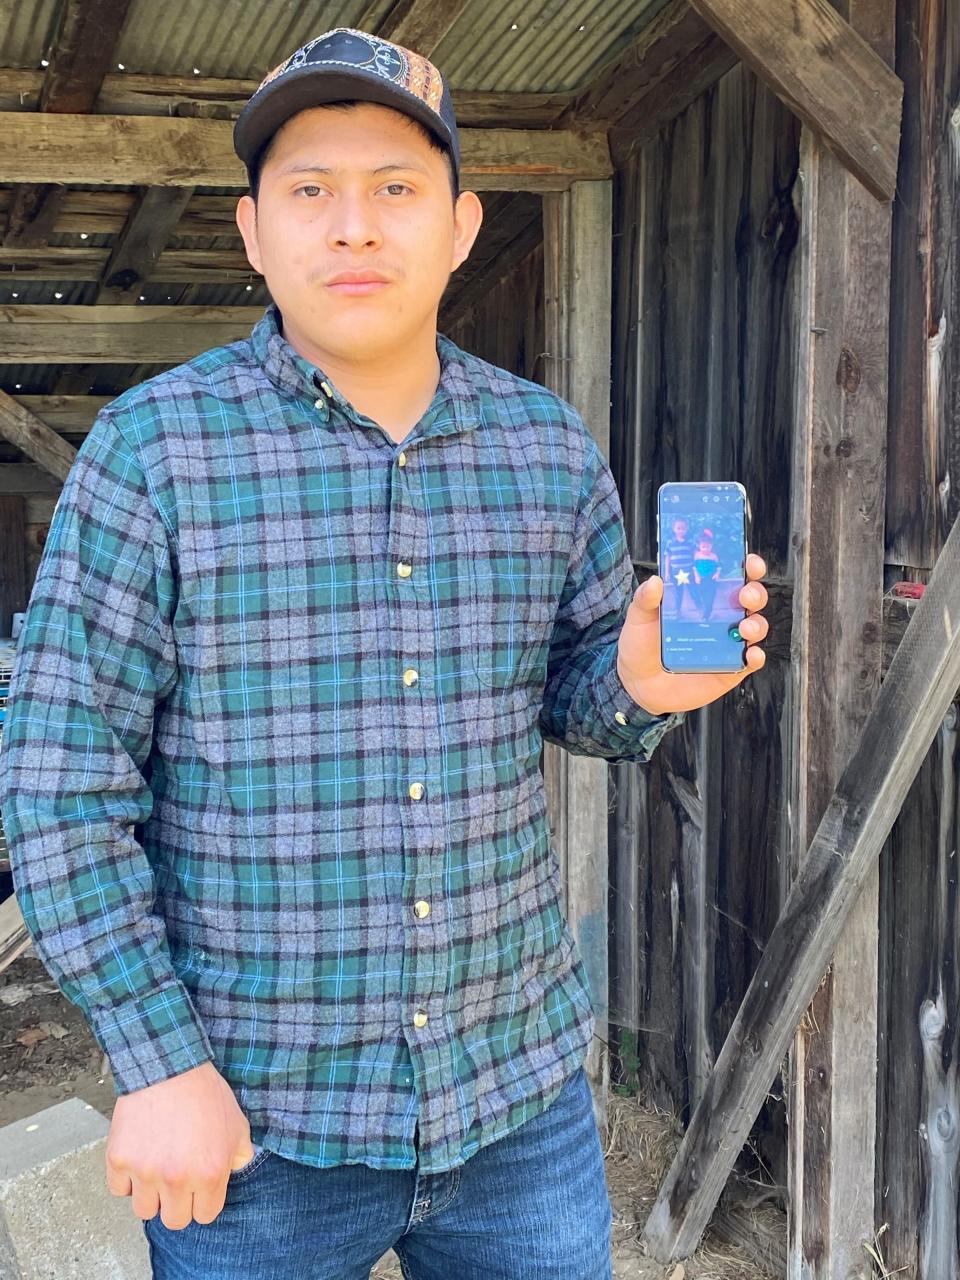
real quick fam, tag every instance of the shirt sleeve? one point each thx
(95, 657)
(586, 707)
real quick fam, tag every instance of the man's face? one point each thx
(360, 191)
(680, 528)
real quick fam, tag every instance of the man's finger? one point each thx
(756, 658)
(753, 596)
(754, 628)
(756, 567)
(647, 598)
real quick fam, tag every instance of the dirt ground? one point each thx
(47, 1054)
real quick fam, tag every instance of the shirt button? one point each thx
(326, 388)
(318, 404)
(411, 676)
(421, 909)
(402, 459)
(620, 717)
(420, 1018)
(403, 569)
(416, 790)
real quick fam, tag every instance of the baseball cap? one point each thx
(340, 65)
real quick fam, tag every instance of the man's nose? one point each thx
(354, 223)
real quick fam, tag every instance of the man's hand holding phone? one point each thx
(638, 651)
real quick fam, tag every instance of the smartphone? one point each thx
(702, 552)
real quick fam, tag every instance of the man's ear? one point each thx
(467, 217)
(247, 222)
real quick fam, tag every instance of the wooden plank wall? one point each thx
(506, 326)
(918, 1140)
(704, 363)
(705, 343)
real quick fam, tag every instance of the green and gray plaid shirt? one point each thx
(270, 775)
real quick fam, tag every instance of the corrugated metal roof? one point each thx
(515, 46)
(556, 45)
(229, 39)
(26, 31)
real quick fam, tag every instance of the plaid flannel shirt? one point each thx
(270, 775)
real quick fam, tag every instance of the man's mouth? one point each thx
(356, 284)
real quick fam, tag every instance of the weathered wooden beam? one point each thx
(136, 253)
(108, 335)
(69, 415)
(577, 231)
(174, 266)
(416, 24)
(82, 52)
(132, 94)
(839, 486)
(841, 859)
(159, 152)
(19, 427)
(661, 52)
(828, 75)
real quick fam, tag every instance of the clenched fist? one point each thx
(173, 1145)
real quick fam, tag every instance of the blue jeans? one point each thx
(530, 1206)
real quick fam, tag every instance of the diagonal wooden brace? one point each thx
(918, 689)
(826, 73)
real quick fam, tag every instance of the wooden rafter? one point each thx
(82, 52)
(137, 252)
(826, 73)
(131, 94)
(175, 266)
(72, 415)
(118, 334)
(107, 212)
(662, 53)
(19, 427)
(182, 153)
(416, 24)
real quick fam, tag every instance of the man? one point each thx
(309, 606)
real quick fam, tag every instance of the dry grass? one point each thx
(641, 1142)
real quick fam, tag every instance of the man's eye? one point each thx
(309, 189)
(397, 186)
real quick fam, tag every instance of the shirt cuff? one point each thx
(152, 1038)
(626, 723)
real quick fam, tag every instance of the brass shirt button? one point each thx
(402, 459)
(410, 676)
(326, 388)
(620, 717)
(318, 404)
(421, 909)
(403, 569)
(416, 790)
(420, 1018)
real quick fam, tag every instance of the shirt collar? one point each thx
(455, 407)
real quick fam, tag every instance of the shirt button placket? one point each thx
(423, 822)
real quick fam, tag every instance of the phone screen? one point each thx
(702, 554)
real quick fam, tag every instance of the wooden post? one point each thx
(577, 226)
(838, 523)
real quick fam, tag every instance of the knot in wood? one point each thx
(845, 447)
(848, 371)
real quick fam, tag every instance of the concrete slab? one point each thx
(58, 1221)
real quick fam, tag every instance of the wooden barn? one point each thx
(728, 231)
